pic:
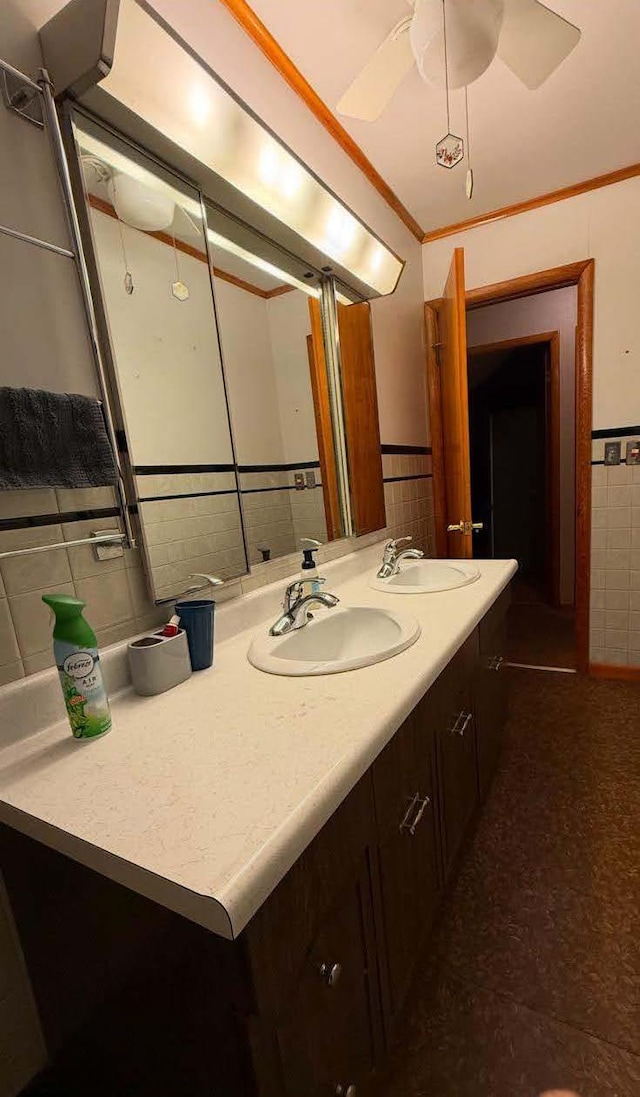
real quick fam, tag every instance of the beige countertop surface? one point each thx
(203, 798)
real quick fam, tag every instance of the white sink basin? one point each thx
(427, 576)
(336, 640)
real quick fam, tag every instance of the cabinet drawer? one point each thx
(277, 939)
(327, 1039)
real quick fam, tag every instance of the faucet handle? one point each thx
(391, 547)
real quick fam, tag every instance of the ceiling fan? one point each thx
(531, 39)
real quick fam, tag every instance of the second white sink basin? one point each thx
(336, 640)
(427, 576)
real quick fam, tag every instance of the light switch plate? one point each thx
(298, 480)
(612, 452)
(633, 453)
(310, 478)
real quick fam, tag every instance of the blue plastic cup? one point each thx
(196, 619)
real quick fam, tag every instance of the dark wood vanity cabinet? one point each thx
(405, 851)
(490, 691)
(309, 996)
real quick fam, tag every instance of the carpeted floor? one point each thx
(532, 981)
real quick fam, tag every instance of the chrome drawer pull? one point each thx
(420, 803)
(404, 825)
(462, 723)
(424, 803)
(330, 973)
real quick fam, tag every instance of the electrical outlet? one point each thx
(310, 478)
(633, 453)
(612, 452)
(298, 479)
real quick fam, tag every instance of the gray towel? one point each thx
(51, 439)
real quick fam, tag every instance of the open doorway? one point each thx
(449, 321)
(517, 421)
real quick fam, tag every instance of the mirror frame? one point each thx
(328, 329)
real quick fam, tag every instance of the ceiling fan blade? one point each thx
(375, 86)
(534, 41)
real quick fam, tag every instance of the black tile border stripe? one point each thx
(161, 470)
(177, 470)
(616, 432)
(281, 487)
(33, 521)
(387, 448)
(187, 495)
(418, 476)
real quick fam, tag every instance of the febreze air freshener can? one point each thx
(75, 648)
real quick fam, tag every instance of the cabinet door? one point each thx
(490, 702)
(456, 752)
(327, 1039)
(407, 861)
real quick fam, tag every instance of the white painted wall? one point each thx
(602, 224)
(553, 311)
(166, 351)
(251, 382)
(289, 325)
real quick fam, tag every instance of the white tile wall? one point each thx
(118, 601)
(615, 562)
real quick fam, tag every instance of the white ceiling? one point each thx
(584, 121)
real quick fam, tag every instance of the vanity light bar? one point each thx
(137, 67)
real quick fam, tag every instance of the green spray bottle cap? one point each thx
(70, 625)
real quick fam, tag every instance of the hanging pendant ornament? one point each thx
(178, 288)
(469, 183)
(128, 277)
(450, 148)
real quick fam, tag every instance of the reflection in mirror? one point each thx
(278, 396)
(151, 258)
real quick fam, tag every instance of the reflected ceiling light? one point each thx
(145, 68)
(140, 206)
(230, 246)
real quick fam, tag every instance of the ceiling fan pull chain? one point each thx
(449, 149)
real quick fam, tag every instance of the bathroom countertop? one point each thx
(203, 798)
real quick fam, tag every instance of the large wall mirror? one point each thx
(272, 359)
(216, 343)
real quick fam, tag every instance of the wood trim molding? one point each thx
(614, 672)
(273, 51)
(529, 204)
(105, 207)
(527, 285)
(514, 344)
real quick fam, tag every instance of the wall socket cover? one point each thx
(612, 453)
(633, 453)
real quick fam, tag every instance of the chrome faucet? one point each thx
(297, 604)
(391, 558)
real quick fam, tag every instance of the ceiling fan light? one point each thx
(139, 205)
(473, 30)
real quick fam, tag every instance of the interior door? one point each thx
(362, 428)
(449, 409)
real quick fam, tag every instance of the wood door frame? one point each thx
(582, 275)
(550, 339)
